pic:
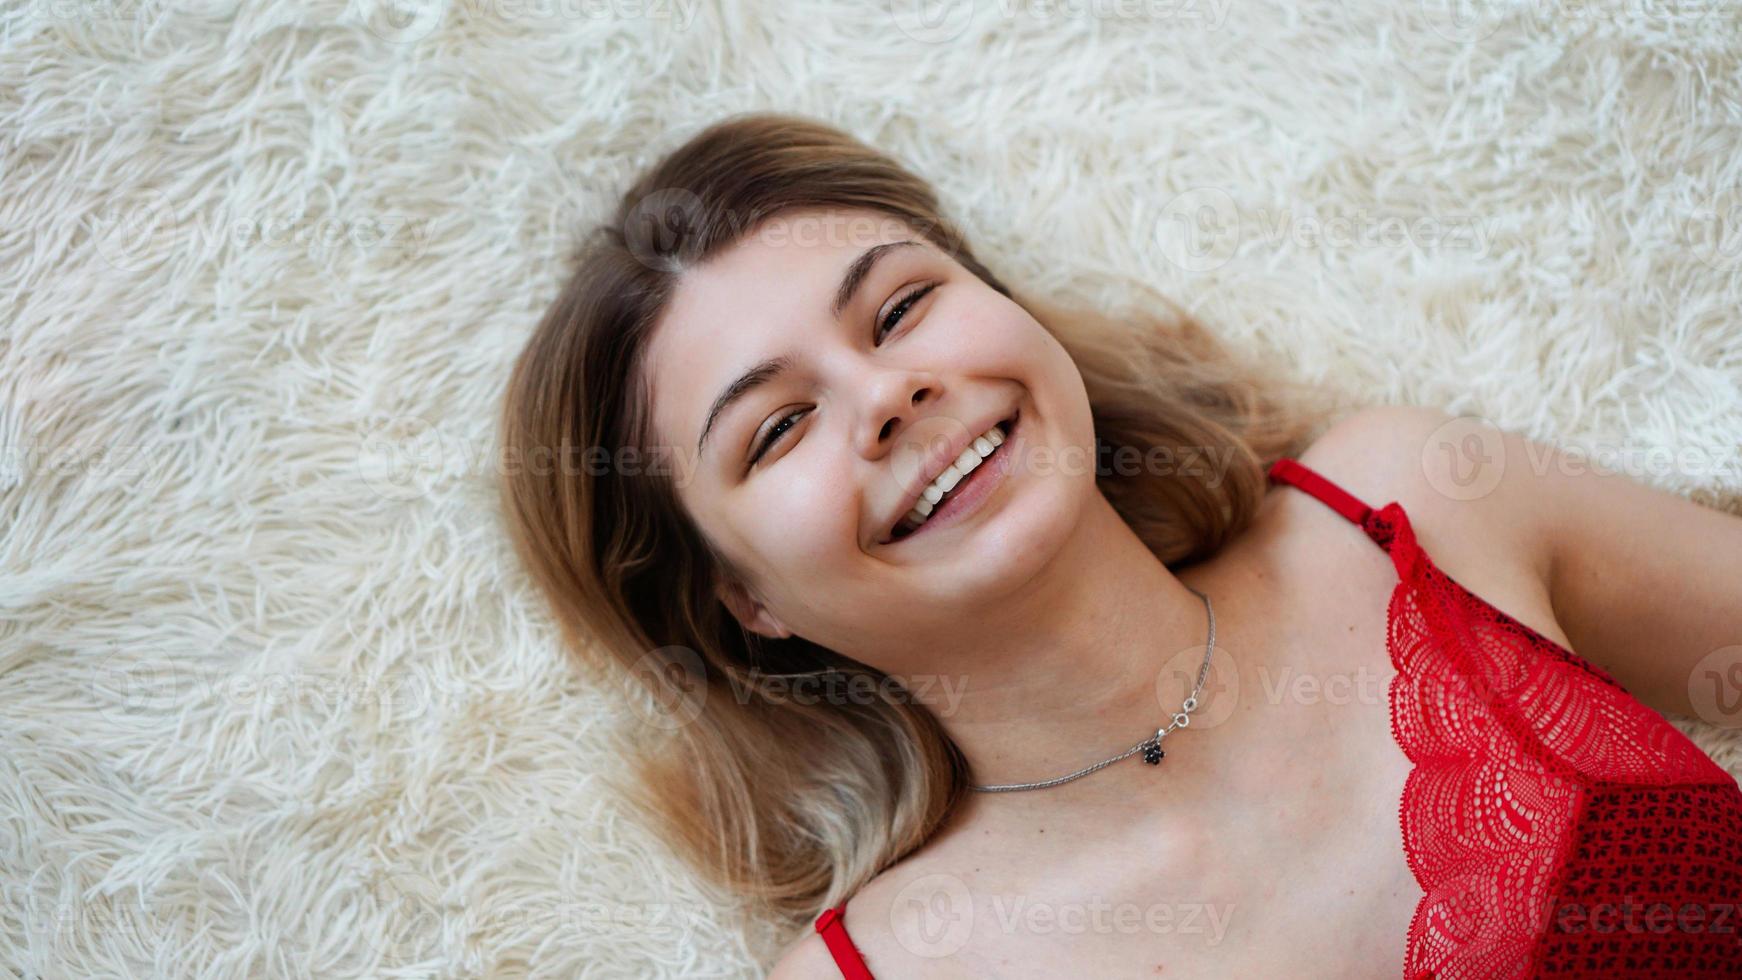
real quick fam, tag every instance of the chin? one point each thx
(995, 557)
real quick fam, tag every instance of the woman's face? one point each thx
(801, 478)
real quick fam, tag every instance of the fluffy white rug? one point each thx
(274, 699)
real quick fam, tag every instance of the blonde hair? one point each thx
(794, 806)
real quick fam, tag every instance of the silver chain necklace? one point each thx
(1151, 746)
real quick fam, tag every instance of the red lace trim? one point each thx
(1541, 794)
(832, 924)
(1548, 815)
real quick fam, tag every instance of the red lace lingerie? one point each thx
(1557, 826)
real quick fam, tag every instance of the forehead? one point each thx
(756, 298)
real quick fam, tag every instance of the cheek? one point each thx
(1012, 333)
(986, 338)
(801, 518)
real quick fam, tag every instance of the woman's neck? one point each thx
(1091, 658)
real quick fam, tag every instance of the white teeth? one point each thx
(979, 449)
(952, 475)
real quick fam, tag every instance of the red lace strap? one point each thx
(1387, 526)
(1539, 791)
(1342, 501)
(832, 924)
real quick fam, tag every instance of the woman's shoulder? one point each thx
(931, 877)
(1375, 455)
(1385, 452)
(807, 958)
(1439, 467)
(1444, 471)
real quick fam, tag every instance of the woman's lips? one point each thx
(967, 495)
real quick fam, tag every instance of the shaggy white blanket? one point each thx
(274, 698)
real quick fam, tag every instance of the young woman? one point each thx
(1000, 640)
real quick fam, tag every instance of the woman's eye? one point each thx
(784, 424)
(900, 309)
(775, 433)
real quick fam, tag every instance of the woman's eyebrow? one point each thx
(768, 370)
(857, 272)
(761, 374)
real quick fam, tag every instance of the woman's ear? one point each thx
(750, 613)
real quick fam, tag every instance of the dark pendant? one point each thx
(1153, 754)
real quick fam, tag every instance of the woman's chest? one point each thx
(1318, 875)
(1301, 888)
(1303, 870)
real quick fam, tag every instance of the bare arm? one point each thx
(1646, 584)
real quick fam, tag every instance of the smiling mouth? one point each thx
(907, 526)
